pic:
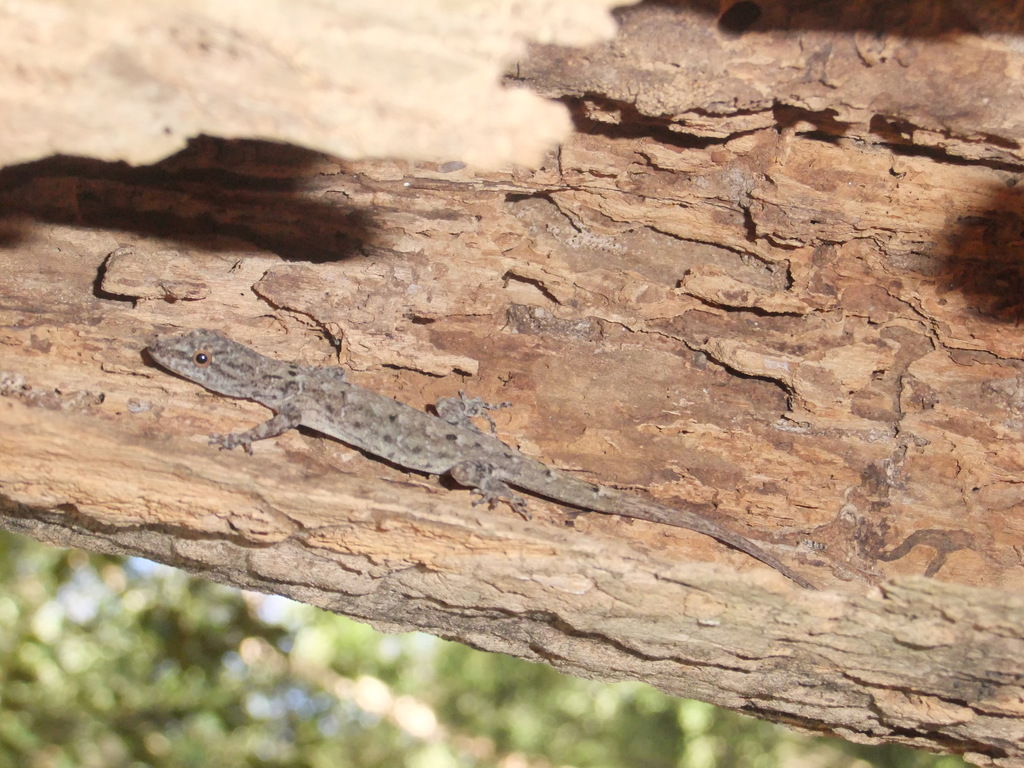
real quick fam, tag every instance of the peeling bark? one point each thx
(774, 277)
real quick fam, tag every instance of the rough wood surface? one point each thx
(738, 294)
(404, 78)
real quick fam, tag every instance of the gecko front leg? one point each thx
(460, 411)
(286, 419)
(480, 477)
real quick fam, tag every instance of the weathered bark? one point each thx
(772, 277)
(419, 80)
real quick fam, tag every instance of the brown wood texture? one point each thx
(773, 276)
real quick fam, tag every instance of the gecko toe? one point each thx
(230, 442)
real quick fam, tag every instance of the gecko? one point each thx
(448, 443)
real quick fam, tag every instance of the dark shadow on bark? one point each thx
(985, 259)
(935, 18)
(215, 194)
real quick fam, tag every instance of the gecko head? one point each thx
(209, 359)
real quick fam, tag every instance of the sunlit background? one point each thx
(108, 662)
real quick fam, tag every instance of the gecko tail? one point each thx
(557, 485)
(641, 509)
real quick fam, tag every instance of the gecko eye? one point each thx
(202, 359)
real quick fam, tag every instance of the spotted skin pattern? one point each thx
(448, 444)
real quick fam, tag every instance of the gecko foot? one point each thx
(460, 411)
(229, 442)
(480, 477)
(283, 420)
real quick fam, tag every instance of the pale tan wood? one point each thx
(801, 327)
(406, 78)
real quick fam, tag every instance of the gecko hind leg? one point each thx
(480, 477)
(460, 411)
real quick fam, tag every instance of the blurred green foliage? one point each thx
(107, 663)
